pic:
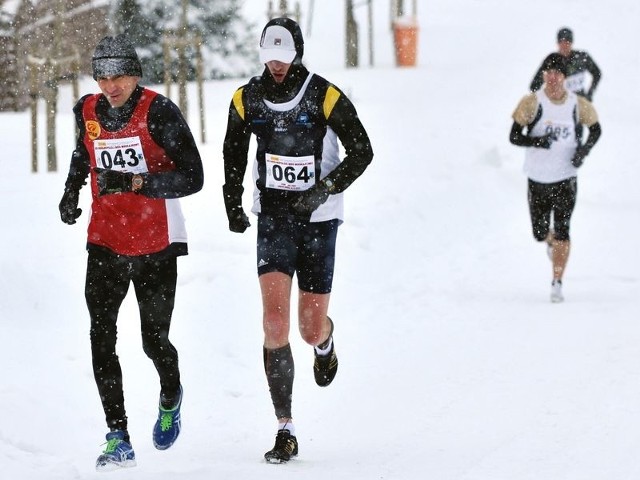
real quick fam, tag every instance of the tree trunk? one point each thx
(351, 37)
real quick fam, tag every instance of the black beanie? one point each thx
(555, 61)
(115, 56)
(565, 34)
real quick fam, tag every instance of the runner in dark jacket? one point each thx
(578, 64)
(297, 118)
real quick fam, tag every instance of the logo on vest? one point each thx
(281, 126)
(303, 119)
(93, 129)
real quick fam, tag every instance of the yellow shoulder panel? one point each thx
(526, 110)
(586, 112)
(237, 102)
(330, 100)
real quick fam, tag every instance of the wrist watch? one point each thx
(136, 183)
(329, 184)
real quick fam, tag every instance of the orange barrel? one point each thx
(405, 36)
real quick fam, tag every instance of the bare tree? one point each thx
(351, 37)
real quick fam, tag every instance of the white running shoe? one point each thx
(556, 291)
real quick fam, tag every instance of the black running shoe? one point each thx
(325, 367)
(286, 447)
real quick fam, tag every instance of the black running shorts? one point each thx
(546, 198)
(289, 245)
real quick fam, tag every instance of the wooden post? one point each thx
(200, 78)
(351, 37)
(75, 72)
(370, 22)
(45, 76)
(182, 61)
(311, 4)
(51, 84)
(33, 96)
(397, 10)
(167, 63)
(51, 101)
(180, 42)
(182, 75)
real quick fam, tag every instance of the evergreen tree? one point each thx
(129, 19)
(228, 41)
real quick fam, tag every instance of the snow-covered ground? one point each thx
(453, 362)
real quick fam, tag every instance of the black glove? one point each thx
(112, 181)
(68, 207)
(238, 220)
(311, 199)
(542, 142)
(579, 156)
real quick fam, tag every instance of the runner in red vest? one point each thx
(140, 156)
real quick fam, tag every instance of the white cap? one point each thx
(277, 44)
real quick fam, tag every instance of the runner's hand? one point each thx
(112, 181)
(311, 199)
(543, 142)
(238, 220)
(579, 156)
(68, 207)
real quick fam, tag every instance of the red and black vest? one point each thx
(129, 223)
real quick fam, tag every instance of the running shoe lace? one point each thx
(166, 421)
(112, 444)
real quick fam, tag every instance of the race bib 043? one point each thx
(122, 154)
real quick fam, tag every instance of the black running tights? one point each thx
(107, 283)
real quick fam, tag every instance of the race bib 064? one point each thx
(290, 173)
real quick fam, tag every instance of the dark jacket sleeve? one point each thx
(595, 131)
(80, 165)
(519, 138)
(234, 151)
(538, 78)
(344, 120)
(595, 72)
(169, 130)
